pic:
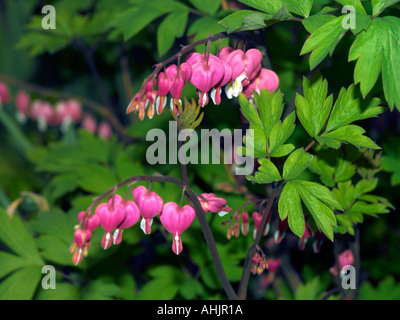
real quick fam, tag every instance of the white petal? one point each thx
(212, 94)
(222, 213)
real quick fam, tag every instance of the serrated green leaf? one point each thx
(321, 213)
(295, 164)
(289, 206)
(281, 132)
(323, 40)
(320, 192)
(267, 172)
(349, 107)
(282, 150)
(351, 134)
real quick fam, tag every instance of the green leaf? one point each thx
(64, 291)
(207, 6)
(282, 150)
(345, 194)
(96, 179)
(391, 163)
(202, 28)
(267, 173)
(290, 206)
(15, 235)
(377, 50)
(354, 3)
(99, 289)
(323, 41)
(173, 26)
(21, 285)
(349, 107)
(350, 134)
(281, 132)
(10, 263)
(321, 213)
(313, 107)
(191, 289)
(271, 6)
(159, 289)
(320, 192)
(312, 23)
(301, 8)
(270, 107)
(234, 21)
(379, 5)
(295, 164)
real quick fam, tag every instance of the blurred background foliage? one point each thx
(101, 51)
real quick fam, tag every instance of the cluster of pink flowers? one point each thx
(63, 113)
(118, 214)
(236, 70)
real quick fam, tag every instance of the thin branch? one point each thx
(244, 281)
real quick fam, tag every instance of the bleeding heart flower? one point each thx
(266, 79)
(104, 130)
(44, 113)
(245, 222)
(257, 220)
(80, 245)
(89, 222)
(280, 233)
(211, 203)
(22, 102)
(164, 85)
(216, 91)
(110, 218)
(4, 93)
(303, 240)
(89, 123)
(150, 204)
(132, 217)
(182, 77)
(344, 259)
(176, 220)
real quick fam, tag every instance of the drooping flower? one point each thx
(181, 77)
(266, 79)
(176, 220)
(211, 203)
(245, 67)
(164, 85)
(216, 91)
(80, 245)
(89, 123)
(280, 233)
(110, 218)
(344, 259)
(150, 204)
(22, 102)
(132, 217)
(245, 222)
(68, 112)
(4, 93)
(104, 130)
(257, 220)
(44, 113)
(259, 264)
(303, 240)
(89, 222)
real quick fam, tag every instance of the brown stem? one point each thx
(244, 281)
(309, 146)
(184, 50)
